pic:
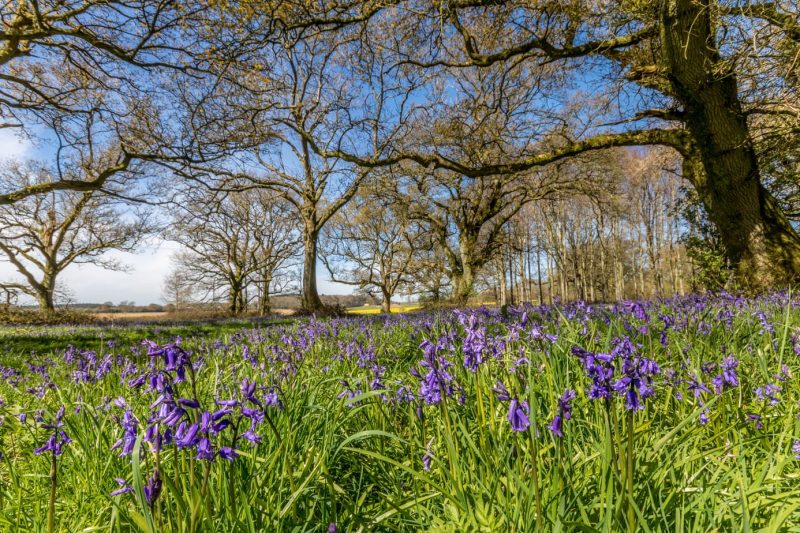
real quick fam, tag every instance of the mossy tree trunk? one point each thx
(758, 237)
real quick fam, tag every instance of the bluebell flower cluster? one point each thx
(58, 437)
(728, 377)
(438, 382)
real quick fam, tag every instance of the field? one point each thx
(676, 415)
(376, 309)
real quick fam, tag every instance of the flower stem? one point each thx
(629, 473)
(51, 508)
(535, 473)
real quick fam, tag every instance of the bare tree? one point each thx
(618, 239)
(42, 235)
(302, 94)
(177, 289)
(373, 244)
(229, 238)
(61, 60)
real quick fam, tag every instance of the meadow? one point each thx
(671, 415)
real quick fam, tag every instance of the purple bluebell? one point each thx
(518, 415)
(152, 489)
(501, 392)
(438, 381)
(755, 419)
(768, 393)
(129, 425)
(564, 412)
(205, 450)
(124, 488)
(728, 377)
(57, 439)
(227, 453)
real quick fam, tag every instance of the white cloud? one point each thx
(141, 283)
(11, 145)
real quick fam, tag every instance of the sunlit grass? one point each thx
(350, 446)
(376, 309)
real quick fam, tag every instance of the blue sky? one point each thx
(142, 283)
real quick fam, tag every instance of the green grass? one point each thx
(18, 341)
(358, 461)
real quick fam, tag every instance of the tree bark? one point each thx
(463, 277)
(462, 285)
(45, 299)
(45, 292)
(503, 282)
(235, 303)
(265, 305)
(386, 304)
(311, 300)
(758, 238)
(539, 270)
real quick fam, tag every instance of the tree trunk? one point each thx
(45, 292)
(311, 300)
(462, 285)
(235, 306)
(45, 299)
(464, 279)
(386, 304)
(511, 273)
(264, 305)
(758, 238)
(503, 283)
(539, 271)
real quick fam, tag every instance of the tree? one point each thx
(64, 60)
(300, 92)
(177, 289)
(42, 235)
(693, 74)
(618, 238)
(229, 238)
(372, 244)
(467, 216)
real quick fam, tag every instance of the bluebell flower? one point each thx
(501, 392)
(129, 427)
(227, 453)
(124, 488)
(152, 489)
(518, 415)
(204, 449)
(768, 393)
(57, 439)
(728, 377)
(564, 412)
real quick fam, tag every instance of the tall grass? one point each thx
(354, 446)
